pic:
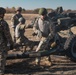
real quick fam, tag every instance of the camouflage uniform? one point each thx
(5, 38)
(15, 22)
(43, 28)
(19, 33)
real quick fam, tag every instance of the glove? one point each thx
(18, 40)
(53, 44)
(50, 35)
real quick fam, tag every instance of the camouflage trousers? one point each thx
(3, 55)
(40, 47)
(12, 31)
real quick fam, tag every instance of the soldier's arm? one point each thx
(35, 26)
(17, 31)
(7, 32)
(12, 21)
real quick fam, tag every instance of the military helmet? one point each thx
(22, 20)
(19, 9)
(42, 11)
(2, 10)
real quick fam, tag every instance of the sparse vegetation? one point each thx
(35, 11)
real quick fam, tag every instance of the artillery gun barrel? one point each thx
(67, 21)
(31, 54)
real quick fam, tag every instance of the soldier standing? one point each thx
(5, 40)
(15, 20)
(43, 27)
(59, 10)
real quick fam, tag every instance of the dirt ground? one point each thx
(60, 64)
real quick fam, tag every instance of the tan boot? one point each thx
(46, 62)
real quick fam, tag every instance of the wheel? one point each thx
(70, 47)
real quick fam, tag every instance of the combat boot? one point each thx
(46, 61)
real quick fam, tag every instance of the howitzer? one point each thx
(32, 54)
(72, 15)
(66, 46)
(66, 22)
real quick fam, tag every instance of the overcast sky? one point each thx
(33, 4)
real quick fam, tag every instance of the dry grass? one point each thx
(27, 16)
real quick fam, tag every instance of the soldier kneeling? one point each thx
(19, 32)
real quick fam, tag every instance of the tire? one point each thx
(70, 47)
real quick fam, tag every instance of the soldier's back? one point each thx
(15, 18)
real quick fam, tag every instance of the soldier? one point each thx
(43, 27)
(15, 20)
(19, 31)
(59, 12)
(5, 40)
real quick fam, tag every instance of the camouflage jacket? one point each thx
(20, 29)
(14, 19)
(44, 26)
(5, 35)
